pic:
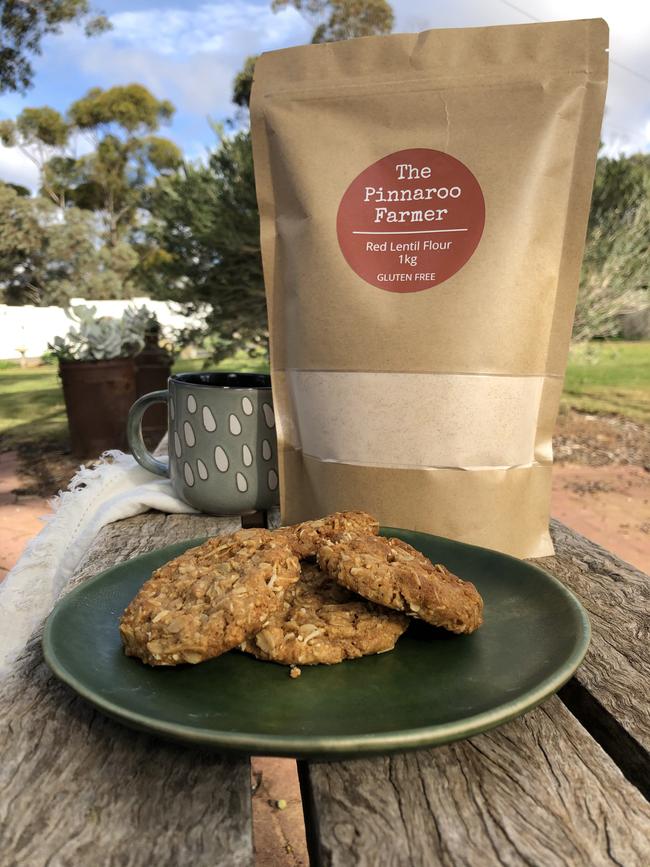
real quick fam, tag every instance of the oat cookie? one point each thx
(392, 573)
(322, 622)
(306, 537)
(209, 599)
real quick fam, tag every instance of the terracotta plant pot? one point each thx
(98, 395)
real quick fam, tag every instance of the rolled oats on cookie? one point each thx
(209, 599)
(392, 573)
(305, 538)
(322, 622)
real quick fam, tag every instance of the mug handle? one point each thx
(134, 433)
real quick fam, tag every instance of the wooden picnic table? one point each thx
(566, 784)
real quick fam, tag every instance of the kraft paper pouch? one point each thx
(424, 202)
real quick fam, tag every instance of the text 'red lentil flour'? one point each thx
(424, 202)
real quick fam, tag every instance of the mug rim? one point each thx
(183, 379)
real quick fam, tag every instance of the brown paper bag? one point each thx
(424, 201)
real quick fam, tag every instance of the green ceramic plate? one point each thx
(435, 687)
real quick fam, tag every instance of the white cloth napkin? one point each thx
(116, 487)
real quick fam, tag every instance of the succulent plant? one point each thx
(102, 338)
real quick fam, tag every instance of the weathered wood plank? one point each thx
(126, 539)
(617, 598)
(537, 791)
(78, 789)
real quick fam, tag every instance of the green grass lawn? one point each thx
(31, 405)
(609, 377)
(31, 400)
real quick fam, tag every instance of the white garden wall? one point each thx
(27, 330)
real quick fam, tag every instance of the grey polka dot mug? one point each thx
(222, 443)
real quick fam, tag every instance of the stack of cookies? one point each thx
(317, 592)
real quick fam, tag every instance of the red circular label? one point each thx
(411, 220)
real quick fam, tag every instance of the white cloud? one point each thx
(210, 27)
(618, 141)
(200, 85)
(189, 55)
(16, 168)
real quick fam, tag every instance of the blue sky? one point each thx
(189, 52)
